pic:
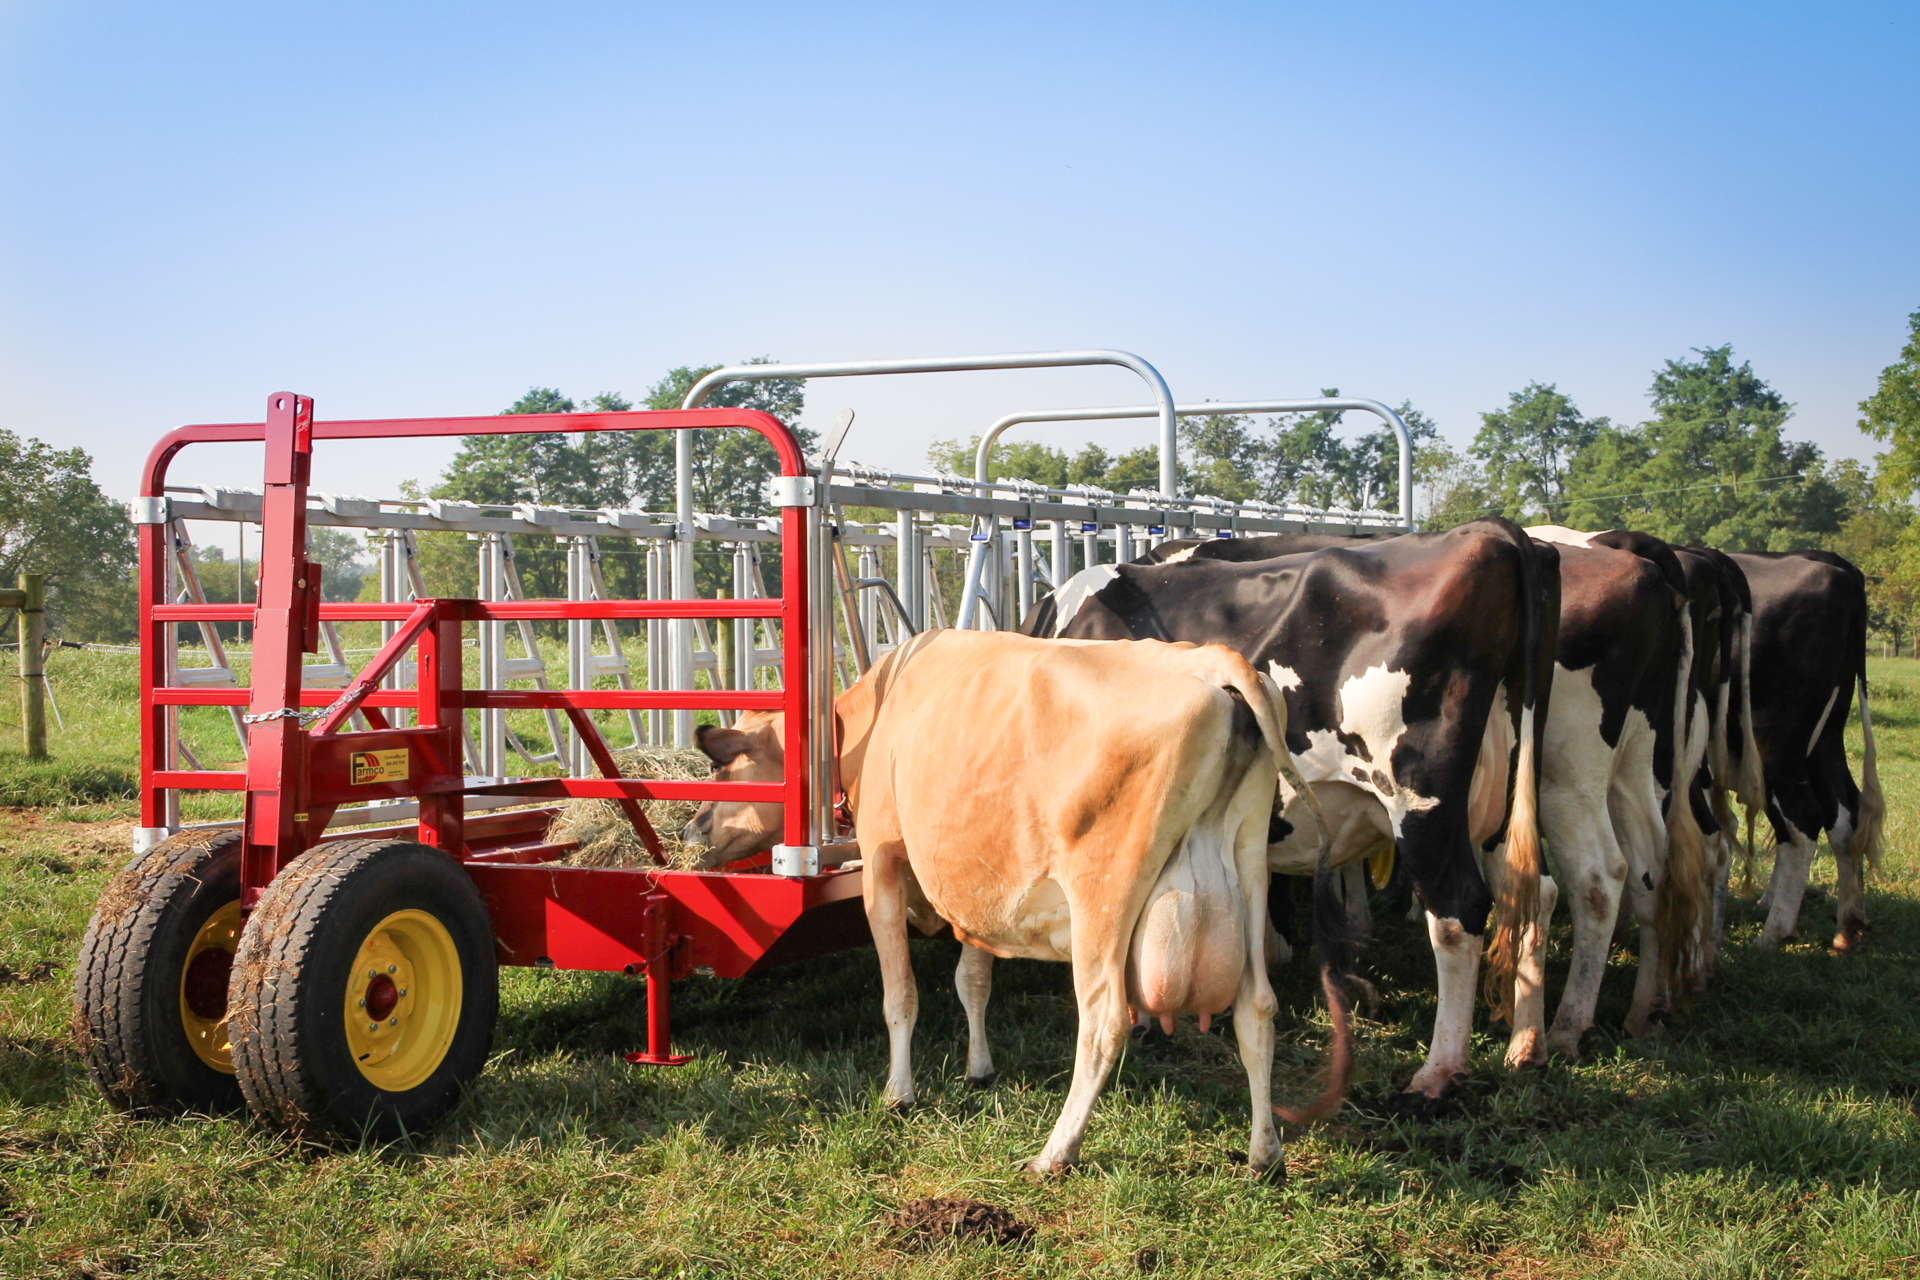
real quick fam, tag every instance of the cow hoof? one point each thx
(1564, 1044)
(1766, 942)
(1138, 1031)
(983, 1082)
(1526, 1053)
(1650, 1027)
(1041, 1167)
(899, 1106)
(1274, 1175)
(1433, 1083)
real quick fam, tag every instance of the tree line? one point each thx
(1711, 464)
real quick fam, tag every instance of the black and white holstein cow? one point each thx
(1416, 672)
(1809, 658)
(1722, 607)
(1617, 802)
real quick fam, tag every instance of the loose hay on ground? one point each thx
(605, 836)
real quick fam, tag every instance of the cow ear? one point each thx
(722, 746)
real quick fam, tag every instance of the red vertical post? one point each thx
(153, 664)
(440, 681)
(276, 745)
(656, 944)
(797, 674)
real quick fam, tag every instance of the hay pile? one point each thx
(607, 840)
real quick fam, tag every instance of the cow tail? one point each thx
(1680, 902)
(1516, 901)
(1753, 774)
(1871, 819)
(1333, 933)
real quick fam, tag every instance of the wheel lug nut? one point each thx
(393, 968)
(393, 1022)
(363, 1002)
(373, 1026)
(403, 991)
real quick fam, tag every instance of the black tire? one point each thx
(131, 994)
(300, 1064)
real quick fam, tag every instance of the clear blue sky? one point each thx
(407, 209)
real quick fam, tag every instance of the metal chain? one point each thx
(304, 717)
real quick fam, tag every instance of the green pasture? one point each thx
(1771, 1132)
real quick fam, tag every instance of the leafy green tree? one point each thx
(632, 469)
(55, 520)
(1456, 488)
(1879, 536)
(1711, 466)
(1526, 449)
(1892, 413)
(1041, 463)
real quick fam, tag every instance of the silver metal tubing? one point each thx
(976, 564)
(1214, 410)
(1169, 435)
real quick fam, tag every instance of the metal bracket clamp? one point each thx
(148, 510)
(791, 491)
(796, 860)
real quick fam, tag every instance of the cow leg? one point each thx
(1100, 985)
(1353, 887)
(1591, 866)
(1530, 986)
(1456, 955)
(1642, 832)
(885, 891)
(1722, 876)
(973, 979)
(1850, 886)
(1792, 859)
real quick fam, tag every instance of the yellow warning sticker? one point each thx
(379, 766)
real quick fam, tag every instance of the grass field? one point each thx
(1772, 1132)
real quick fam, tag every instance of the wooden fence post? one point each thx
(33, 676)
(31, 600)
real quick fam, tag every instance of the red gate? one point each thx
(303, 761)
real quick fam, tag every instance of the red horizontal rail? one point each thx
(308, 697)
(534, 610)
(495, 610)
(632, 789)
(507, 699)
(200, 779)
(622, 699)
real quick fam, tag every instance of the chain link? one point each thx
(304, 717)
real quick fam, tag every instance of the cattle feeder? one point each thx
(345, 981)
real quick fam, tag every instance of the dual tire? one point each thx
(359, 998)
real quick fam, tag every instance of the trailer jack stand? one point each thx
(659, 947)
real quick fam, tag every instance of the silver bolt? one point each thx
(403, 991)
(372, 974)
(393, 968)
(373, 1026)
(363, 1002)
(393, 1022)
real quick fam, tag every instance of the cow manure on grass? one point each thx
(38, 971)
(921, 1222)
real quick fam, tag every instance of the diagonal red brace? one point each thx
(603, 759)
(371, 675)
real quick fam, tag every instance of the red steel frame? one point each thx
(663, 923)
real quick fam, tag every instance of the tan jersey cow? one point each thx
(1042, 817)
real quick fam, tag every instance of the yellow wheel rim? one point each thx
(203, 987)
(403, 1000)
